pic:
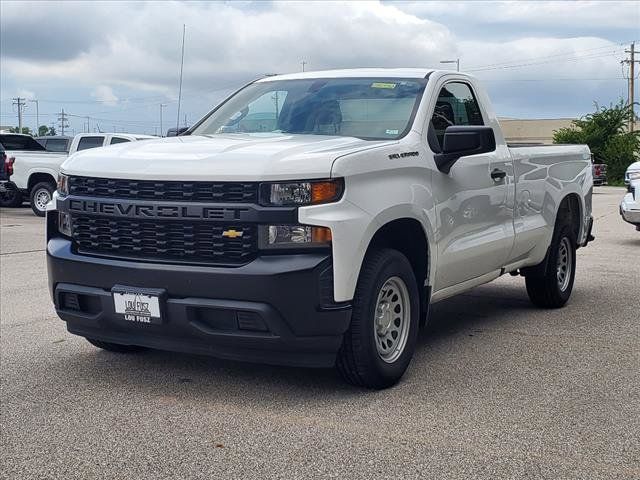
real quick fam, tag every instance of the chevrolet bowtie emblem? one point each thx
(232, 233)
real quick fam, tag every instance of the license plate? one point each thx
(137, 307)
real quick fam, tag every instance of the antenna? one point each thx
(184, 29)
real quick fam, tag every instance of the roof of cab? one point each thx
(354, 73)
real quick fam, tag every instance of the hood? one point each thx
(232, 157)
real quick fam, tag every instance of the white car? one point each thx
(36, 169)
(630, 205)
(310, 219)
(632, 173)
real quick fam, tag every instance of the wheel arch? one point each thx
(40, 176)
(408, 236)
(570, 211)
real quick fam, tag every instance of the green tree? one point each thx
(605, 131)
(43, 130)
(25, 130)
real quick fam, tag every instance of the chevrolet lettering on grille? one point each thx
(141, 210)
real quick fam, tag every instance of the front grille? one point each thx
(220, 192)
(192, 242)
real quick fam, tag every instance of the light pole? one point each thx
(456, 61)
(37, 117)
(162, 105)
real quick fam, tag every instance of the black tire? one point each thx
(10, 195)
(36, 195)
(115, 347)
(547, 290)
(358, 359)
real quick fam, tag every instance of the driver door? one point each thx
(474, 219)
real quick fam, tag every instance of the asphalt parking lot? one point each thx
(497, 389)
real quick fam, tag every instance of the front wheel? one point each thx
(553, 289)
(41, 194)
(381, 339)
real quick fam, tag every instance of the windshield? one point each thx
(369, 108)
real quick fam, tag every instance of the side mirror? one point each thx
(173, 132)
(462, 141)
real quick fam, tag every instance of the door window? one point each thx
(90, 142)
(456, 105)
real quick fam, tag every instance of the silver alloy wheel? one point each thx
(392, 319)
(564, 264)
(41, 198)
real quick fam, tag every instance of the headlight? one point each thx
(293, 236)
(634, 175)
(312, 192)
(63, 185)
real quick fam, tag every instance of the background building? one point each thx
(535, 130)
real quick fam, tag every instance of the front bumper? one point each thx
(631, 216)
(277, 309)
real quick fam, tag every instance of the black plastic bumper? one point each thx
(273, 310)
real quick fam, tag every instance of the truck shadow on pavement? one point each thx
(183, 377)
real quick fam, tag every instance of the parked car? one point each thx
(632, 173)
(630, 204)
(599, 174)
(318, 232)
(55, 143)
(36, 169)
(10, 196)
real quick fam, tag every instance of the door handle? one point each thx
(498, 174)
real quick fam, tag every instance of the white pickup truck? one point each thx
(36, 169)
(311, 219)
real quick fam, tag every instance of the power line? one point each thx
(544, 57)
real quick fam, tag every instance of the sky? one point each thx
(118, 62)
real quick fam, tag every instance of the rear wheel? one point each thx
(553, 288)
(115, 347)
(41, 194)
(10, 195)
(381, 339)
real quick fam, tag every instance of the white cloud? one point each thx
(567, 14)
(226, 44)
(104, 94)
(26, 94)
(135, 47)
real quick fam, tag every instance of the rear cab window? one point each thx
(86, 143)
(20, 142)
(115, 140)
(57, 145)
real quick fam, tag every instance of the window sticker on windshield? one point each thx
(383, 85)
(391, 132)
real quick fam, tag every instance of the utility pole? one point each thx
(62, 121)
(20, 102)
(631, 61)
(456, 61)
(88, 125)
(162, 105)
(303, 63)
(37, 130)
